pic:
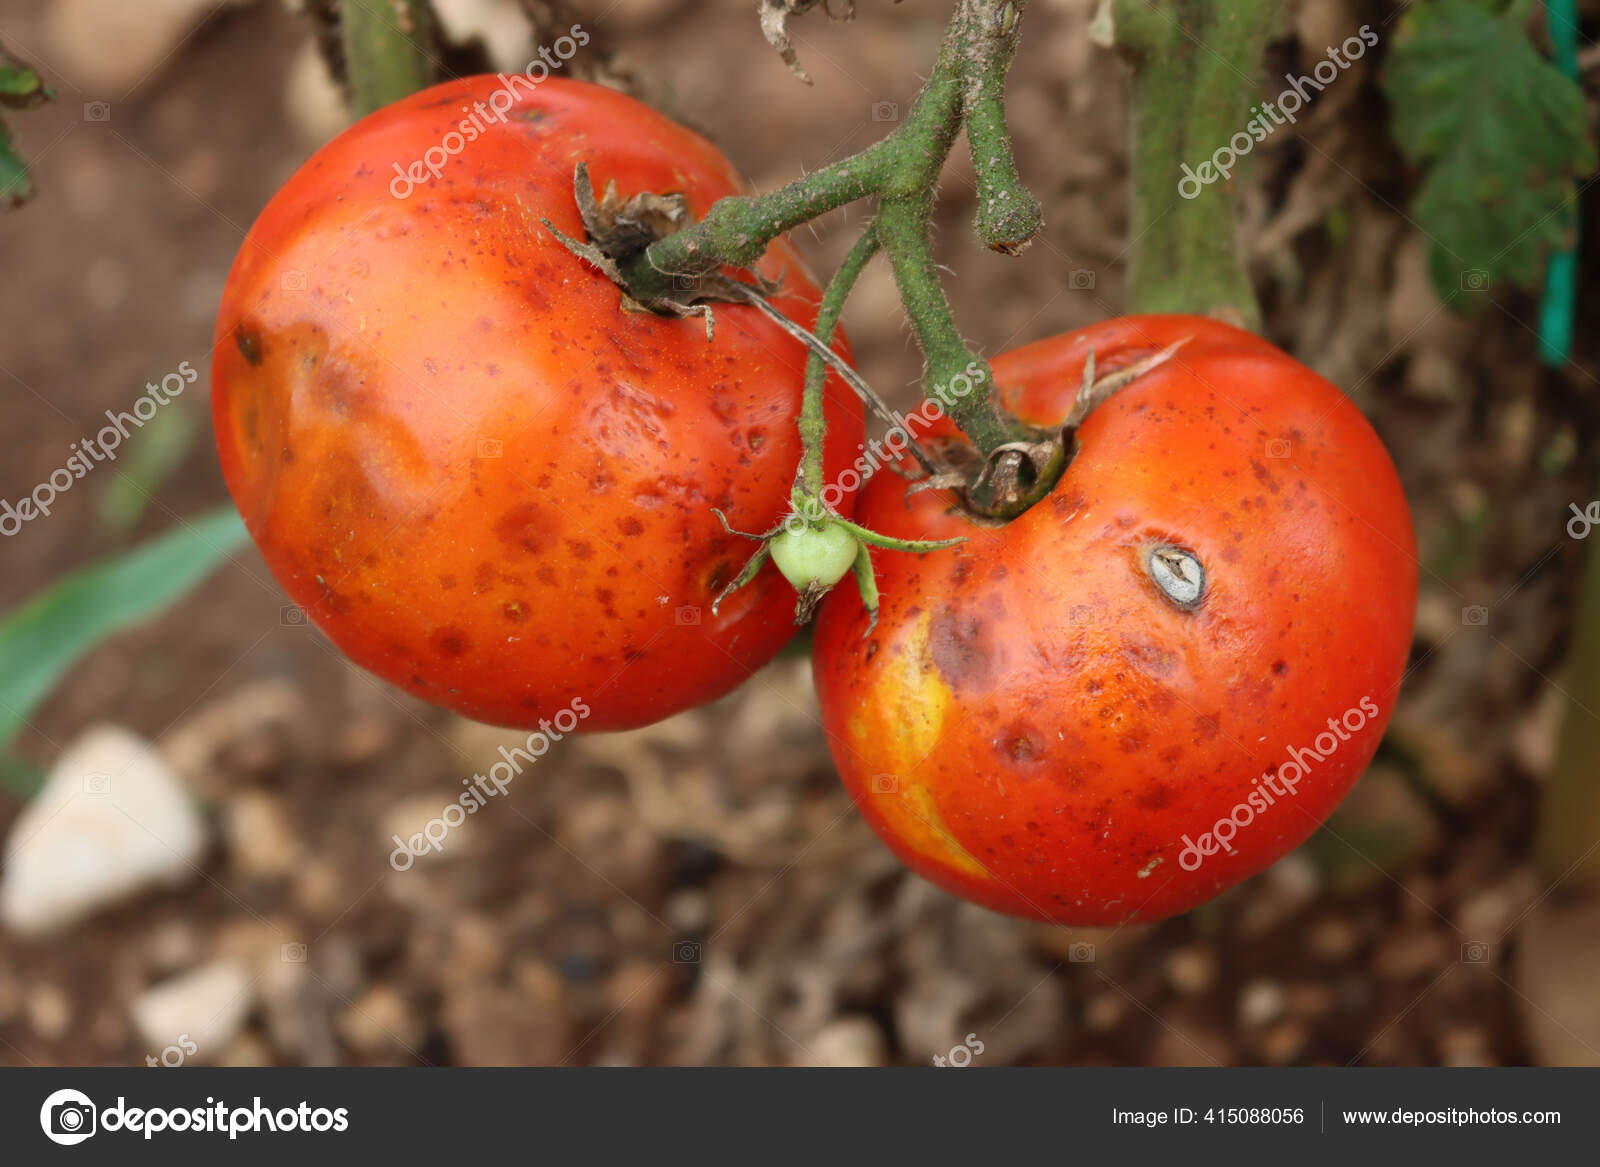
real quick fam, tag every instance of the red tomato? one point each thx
(1036, 726)
(478, 474)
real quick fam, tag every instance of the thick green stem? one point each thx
(1195, 65)
(1008, 214)
(949, 363)
(813, 418)
(388, 50)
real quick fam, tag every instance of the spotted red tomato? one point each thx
(1156, 681)
(480, 476)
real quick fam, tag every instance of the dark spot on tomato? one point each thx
(483, 578)
(1157, 797)
(515, 611)
(524, 527)
(630, 526)
(1018, 745)
(249, 341)
(447, 582)
(1148, 656)
(1280, 668)
(450, 641)
(580, 548)
(546, 575)
(961, 649)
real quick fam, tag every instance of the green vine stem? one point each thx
(965, 89)
(1195, 66)
(813, 421)
(388, 50)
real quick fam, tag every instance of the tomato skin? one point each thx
(481, 478)
(1034, 726)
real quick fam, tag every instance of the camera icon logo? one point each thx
(1081, 280)
(97, 111)
(1278, 448)
(885, 111)
(97, 783)
(688, 616)
(292, 953)
(885, 784)
(292, 616)
(1475, 616)
(489, 448)
(1475, 280)
(292, 281)
(1474, 952)
(68, 1117)
(1081, 953)
(684, 283)
(686, 952)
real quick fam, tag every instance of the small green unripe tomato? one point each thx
(814, 554)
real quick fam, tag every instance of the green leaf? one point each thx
(20, 87)
(157, 450)
(15, 187)
(43, 638)
(1500, 135)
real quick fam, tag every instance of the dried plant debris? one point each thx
(775, 16)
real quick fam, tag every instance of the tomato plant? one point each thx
(478, 473)
(1205, 623)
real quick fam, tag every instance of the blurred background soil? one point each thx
(701, 891)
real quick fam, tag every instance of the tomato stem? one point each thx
(966, 89)
(388, 50)
(813, 421)
(1194, 67)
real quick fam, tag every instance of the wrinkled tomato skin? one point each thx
(1034, 726)
(478, 475)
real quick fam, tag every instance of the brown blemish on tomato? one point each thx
(526, 528)
(958, 648)
(248, 338)
(630, 526)
(1149, 657)
(516, 611)
(450, 641)
(1157, 797)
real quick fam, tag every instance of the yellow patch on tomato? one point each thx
(909, 699)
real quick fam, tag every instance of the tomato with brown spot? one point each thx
(479, 475)
(1159, 679)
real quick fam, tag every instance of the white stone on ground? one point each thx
(199, 1012)
(111, 820)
